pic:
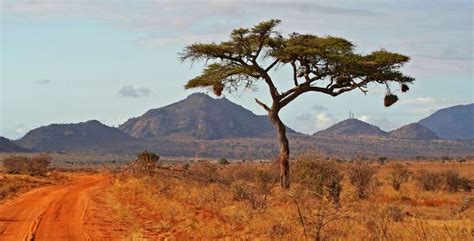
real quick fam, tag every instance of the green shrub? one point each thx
(223, 161)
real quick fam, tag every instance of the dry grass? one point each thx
(12, 185)
(242, 201)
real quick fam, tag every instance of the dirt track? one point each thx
(72, 211)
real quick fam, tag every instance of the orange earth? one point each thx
(72, 211)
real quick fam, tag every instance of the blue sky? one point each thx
(68, 61)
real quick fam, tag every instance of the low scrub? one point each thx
(429, 180)
(361, 175)
(321, 177)
(454, 182)
(34, 166)
(398, 175)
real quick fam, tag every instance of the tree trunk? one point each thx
(284, 149)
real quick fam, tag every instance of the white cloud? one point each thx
(324, 120)
(382, 122)
(432, 101)
(130, 91)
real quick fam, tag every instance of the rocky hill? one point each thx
(452, 123)
(351, 128)
(414, 131)
(7, 145)
(89, 136)
(199, 116)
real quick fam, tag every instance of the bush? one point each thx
(322, 178)
(429, 181)
(382, 160)
(466, 184)
(205, 173)
(223, 161)
(242, 191)
(453, 182)
(33, 166)
(398, 175)
(361, 176)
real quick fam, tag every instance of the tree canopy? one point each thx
(326, 64)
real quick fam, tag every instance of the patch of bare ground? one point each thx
(73, 210)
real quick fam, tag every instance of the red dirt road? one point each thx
(72, 211)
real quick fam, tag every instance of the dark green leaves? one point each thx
(216, 74)
(323, 64)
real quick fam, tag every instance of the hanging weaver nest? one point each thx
(390, 99)
(405, 88)
(217, 88)
(342, 79)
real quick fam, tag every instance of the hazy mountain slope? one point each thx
(7, 145)
(413, 131)
(199, 116)
(90, 135)
(455, 122)
(351, 128)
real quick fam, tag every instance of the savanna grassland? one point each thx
(328, 199)
(22, 174)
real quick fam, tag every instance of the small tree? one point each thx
(398, 175)
(429, 181)
(322, 178)
(223, 161)
(326, 65)
(361, 176)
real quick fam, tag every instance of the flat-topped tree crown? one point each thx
(326, 65)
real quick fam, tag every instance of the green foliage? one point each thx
(239, 62)
(223, 161)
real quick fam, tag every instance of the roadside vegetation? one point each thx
(330, 199)
(19, 174)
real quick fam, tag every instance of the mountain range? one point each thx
(7, 145)
(202, 117)
(183, 128)
(85, 136)
(455, 122)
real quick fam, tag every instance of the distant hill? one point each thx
(7, 145)
(414, 131)
(91, 135)
(351, 128)
(452, 123)
(200, 117)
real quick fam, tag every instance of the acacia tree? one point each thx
(326, 65)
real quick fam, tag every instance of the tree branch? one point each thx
(295, 77)
(262, 104)
(272, 65)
